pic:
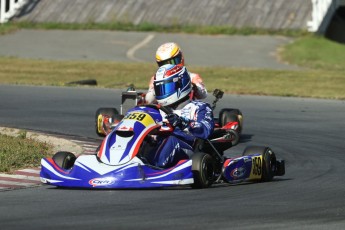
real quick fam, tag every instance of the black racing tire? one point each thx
(83, 82)
(269, 161)
(64, 159)
(112, 112)
(231, 115)
(203, 168)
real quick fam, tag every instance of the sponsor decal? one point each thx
(247, 159)
(118, 147)
(178, 93)
(160, 73)
(238, 172)
(125, 128)
(101, 181)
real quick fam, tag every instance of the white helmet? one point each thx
(172, 84)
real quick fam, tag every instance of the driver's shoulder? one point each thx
(200, 103)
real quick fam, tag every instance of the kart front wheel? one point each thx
(269, 161)
(231, 115)
(111, 113)
(203, 168)
(64, 160)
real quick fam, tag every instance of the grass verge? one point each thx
(145, 26)
(316, 52)
(18, 151)
(316, 83)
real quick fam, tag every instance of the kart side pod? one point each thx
(257, 163)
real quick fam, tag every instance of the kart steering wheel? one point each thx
(165, 109)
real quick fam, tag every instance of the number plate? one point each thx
(256, 171)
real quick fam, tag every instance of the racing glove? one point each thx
(177, 121)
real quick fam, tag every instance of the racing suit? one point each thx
(200, 91)
(179, 145)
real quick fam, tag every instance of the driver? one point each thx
(191, 118)
(171, 53)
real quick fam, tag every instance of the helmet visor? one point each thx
(166, 87)
(174, 60)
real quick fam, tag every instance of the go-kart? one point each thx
(228, 126)
(120, 161)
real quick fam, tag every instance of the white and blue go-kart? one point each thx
(119, 162)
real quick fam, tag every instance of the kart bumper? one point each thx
(101, 176)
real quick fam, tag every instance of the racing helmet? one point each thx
(169, 53)
(172, 84)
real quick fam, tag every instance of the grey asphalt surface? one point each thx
(217, 50)
(307, 133)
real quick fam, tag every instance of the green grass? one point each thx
(8, 28)
(316, 53)
(307, 83)
(145, 26)
(18, 152)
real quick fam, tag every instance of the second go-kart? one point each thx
(229, 123)
(120, 161)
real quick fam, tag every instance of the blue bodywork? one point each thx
(117, 165)
(131, 175)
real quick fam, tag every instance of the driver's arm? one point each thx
(200, 91)
(150, 97)
(200, 127)
(203, 124)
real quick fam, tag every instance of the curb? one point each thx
(25, 178)
(59, 144)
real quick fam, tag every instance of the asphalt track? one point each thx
(307, 133)
(216, 50)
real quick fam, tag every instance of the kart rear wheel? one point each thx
(64, 159)
(203, 168)
(269, 161)
(111, 112)
(231, 115)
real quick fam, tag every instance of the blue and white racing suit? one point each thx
(179, 145)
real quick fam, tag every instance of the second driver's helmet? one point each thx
(169, 53)
(172, 84)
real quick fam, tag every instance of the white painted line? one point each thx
(78, 141)
(30, 170)
(16, 183)
(90, 146)
(83, 143)
(131, 51)
(22, 177)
